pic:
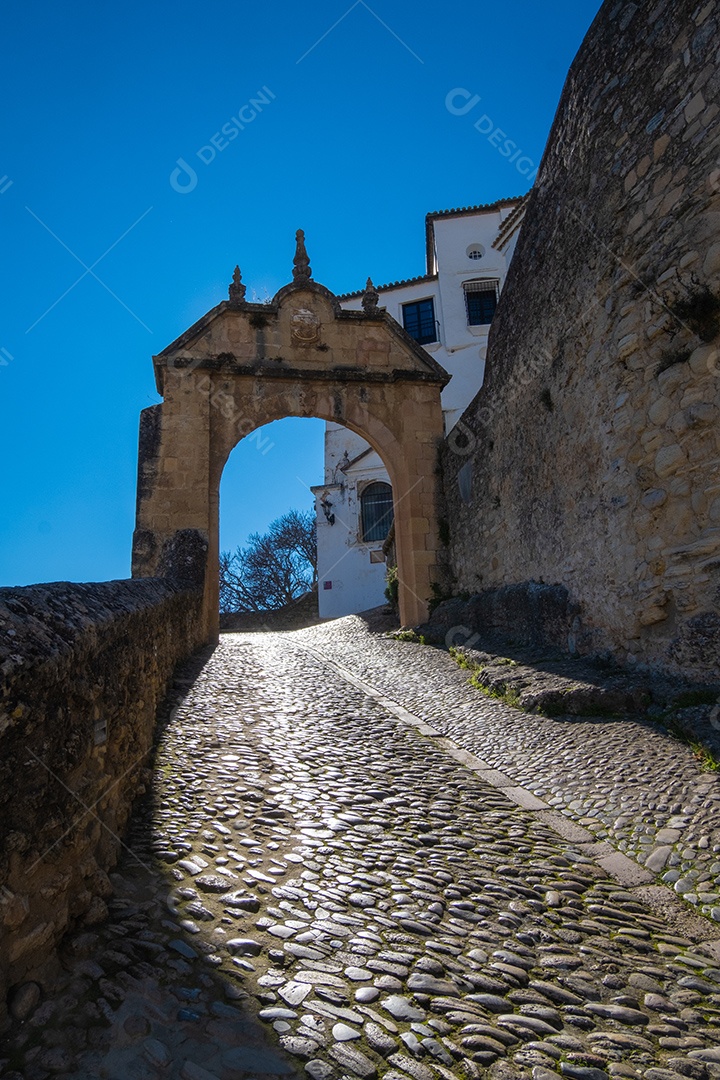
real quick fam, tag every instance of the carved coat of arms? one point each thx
(304, 327)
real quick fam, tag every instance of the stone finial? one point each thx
(237, 290)
(370, 298)
(301, 262)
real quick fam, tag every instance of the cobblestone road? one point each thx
(320, 889)
(625, 780)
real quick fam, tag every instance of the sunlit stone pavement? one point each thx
(322, 886)
(628, 781)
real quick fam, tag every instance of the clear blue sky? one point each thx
(101, 101)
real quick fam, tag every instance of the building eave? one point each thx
(419, 280)
(511, 225)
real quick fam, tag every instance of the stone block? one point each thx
(659, 411)
(657, 858)
(624, 870)
(705, 360)
(694, 107)
(525, 798)
(654, 498)
(15, 909)
(669, 459)
(711, 264)
(191, 1071)
(38, 938)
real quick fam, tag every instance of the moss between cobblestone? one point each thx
(508, 696)
(578, 697)
(704, 756)
(408, 635)
(461, 659)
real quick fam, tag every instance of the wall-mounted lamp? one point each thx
(326, 509)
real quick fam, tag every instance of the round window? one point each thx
(475, 251)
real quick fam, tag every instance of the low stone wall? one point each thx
(83, 669)
(527, 613)
(301, 612)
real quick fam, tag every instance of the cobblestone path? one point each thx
(317, 889)
(625, 780)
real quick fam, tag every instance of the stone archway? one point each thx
(243, 365)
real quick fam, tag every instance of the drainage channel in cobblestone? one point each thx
(323, 888)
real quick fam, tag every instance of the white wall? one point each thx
(348, 581)
(356, 584)
(460, 349)
(465, 346)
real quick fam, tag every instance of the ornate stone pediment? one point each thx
(302, 331)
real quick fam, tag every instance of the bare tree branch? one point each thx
(274, 568)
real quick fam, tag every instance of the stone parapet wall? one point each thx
(527, 614)
(83, 669)
(591, 456)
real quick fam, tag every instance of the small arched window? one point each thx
(376, 511)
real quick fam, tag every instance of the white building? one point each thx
(448, 311)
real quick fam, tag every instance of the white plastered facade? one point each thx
(464, 248)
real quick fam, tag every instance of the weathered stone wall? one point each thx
(83, 669)
(591, 457)
(244, 365)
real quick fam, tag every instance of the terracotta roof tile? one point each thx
(476, 209)
(390, 285)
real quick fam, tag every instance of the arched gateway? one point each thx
(243, 365)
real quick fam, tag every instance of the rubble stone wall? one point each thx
(83, 669)
(591, 456)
